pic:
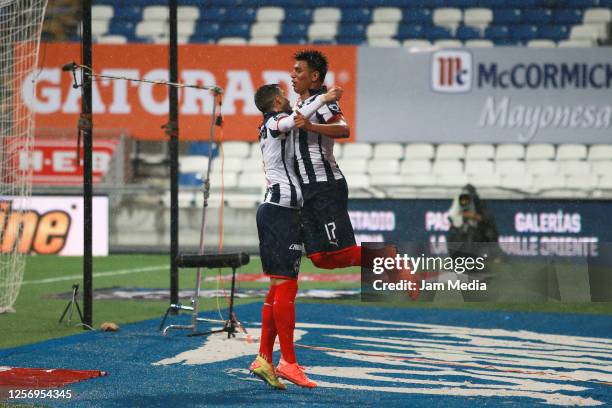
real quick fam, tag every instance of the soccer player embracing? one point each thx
(280, 232)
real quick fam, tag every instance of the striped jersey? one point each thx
(277, 149)
(314, 152)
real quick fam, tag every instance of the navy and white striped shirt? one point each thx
(277, 151)
(314, 152)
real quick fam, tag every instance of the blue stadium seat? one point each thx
(521, 3)
(437, 33)
(417, 16)
(241, 15)
(405, 31)
(496, 33)
(223, 3)
(553, 32)
(507, 42)
(453, 3)
(567, 16)
(292, 40)
(523, 32)
(235, 30)
(349, 40)
(492, 4)
(581, 3)
(324, 42)
(356, 15)
(128, 13)
(507, 16)
(298, 15)
(215, 14)
(202, 148)
(190, 179)
(206, 31)
(294, 30)
(537, 16)
(407, 3)
(352, 31)
(467, 33)
(124, 28)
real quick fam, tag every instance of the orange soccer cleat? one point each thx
(294, 373)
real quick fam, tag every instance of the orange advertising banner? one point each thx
(140, 109)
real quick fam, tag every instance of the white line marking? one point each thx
(97, 274)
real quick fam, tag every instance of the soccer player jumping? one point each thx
(280, 232)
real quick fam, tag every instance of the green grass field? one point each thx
(37, 314)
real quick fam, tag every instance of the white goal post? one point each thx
(20, 29)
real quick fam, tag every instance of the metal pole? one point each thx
(86, 110)
(173, 149)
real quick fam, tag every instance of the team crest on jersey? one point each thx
(334, 108)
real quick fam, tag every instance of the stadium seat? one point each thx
(507, 16)
(237, 29)
(388, 151)
(575, 167)
(155, 13)
(357, 151)
(438, 33)
(479, 167)
(190, 179)
(381, 30)
(451, 180)
(584, 32)
(542, 167)
(510, 151)
(482, 180)
(497, 33)
(419, 151)
(605, 182)
(441, 44)
(419, 180)
(415, 167)
(236, 149)
(148, 29)
(417, 16)
(213, 14)
(541, 44)
(102, 12)
(416, 44)
(571, 152)
(537, 16)
(383, 42)
(326, 15)
(522, 182)
(193, 164)
(127, 13)
(298, 15)
(465, 33)
(540, 151)
(187, 13)
(450, 151)
(479, 43)
(227, 180)
(523, 32)
(99, 27)
(322, 31)
(597, 16)
(510, 167)
(253, 181)
(358, 181)
(272, 14)
(478, 17)
(583, 181)
(448, 17)
(384, 180)
(480, 151)
(387, 15)
(602, 167)
(232, 41)
(358, 15)
(252, 164)
(567, 16)
(266, 29)
(553, 32)
(576, 44)
(354, 165)
(543, 182)
(447, 167)
(230, 164)
(600, 152)
(383, 166)
(294, 30)
(263, 41)
(405, 31)
(111, 39)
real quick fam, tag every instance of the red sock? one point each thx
(344, 258)
(284, 317)
(268, 328)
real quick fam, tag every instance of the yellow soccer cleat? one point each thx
(264, 370)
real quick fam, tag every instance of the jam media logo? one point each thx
(451, 71)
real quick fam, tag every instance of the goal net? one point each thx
(20, 29)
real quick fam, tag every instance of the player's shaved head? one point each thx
(264, 97)
(315, 60)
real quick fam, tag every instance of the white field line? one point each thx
(97, 274)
